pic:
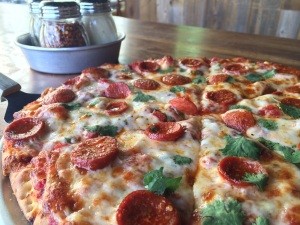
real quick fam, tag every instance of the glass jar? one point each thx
(35, 21)
(61, 25)
(98, 21)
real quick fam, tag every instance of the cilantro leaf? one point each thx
(182, 160)
(103, 130)
(259, 179)
(291, 111)
(261, 221)
(182, 70)
(156, 182)
(72, 106)
(268, 124)
(230, 80)
(240, 107)
(268, 74)
(241, 147)
(220, 212)
(95, 102)
(254, 77)
(176, 89)
(141, 97)
(291, 155)
(199, 80)
(68, 140)
(169, 70)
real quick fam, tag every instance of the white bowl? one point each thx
(68, 60)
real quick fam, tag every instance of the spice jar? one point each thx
(62, 25)
(35, 21)
(98, 21)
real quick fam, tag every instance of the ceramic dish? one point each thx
(68, 60)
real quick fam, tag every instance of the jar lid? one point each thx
(59, 10)
(94, 6)
(34, 6)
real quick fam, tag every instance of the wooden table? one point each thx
(143, 40)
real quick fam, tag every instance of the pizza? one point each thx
(161, 142)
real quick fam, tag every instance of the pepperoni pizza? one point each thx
(161, 141)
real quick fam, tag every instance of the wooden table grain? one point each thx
(143, 40)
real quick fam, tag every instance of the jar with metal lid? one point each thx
(98, 21)
(61, 25)
(35, 21)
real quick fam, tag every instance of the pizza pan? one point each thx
(68, 60)
(10, 212)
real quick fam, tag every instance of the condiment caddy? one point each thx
(60, 24)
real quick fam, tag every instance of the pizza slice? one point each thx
(239, 181)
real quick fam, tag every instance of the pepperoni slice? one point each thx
(293, 89)
(239, 120)
(175, 79)
(192, 63)
(143, 207)
(160, 116)
(95, 153)
(117, 90)
(146, 84)
(96, 73)
(216, 79)
(24, 129)
(291, 101)
(233, 169)
(77, 82)
(145, 66)
(59, 95)
(235, 68)
(287, 70)
(72, 81)
(271, 111)
(166, 62)
(222, 96)
(184, 105)
(165, 131)
(292, 215)
(116, 108)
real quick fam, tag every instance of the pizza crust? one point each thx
(24, 192)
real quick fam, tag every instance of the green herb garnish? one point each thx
(182, 160)
(72, 106)
(199, 80)
(176, 89)
(240, 107)
(254, 77)
(156, 182)
(220, 212)
(261, 221)
(291, 111)
(169, 70)
(291, 155)
(103, 130)
(141, 97)
(240, 147)
(260, 179)
(268, 124)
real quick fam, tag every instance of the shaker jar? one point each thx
(98, 21)
(62, 25)
(35, 21)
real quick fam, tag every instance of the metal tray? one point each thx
(68, 60)
(10, 212)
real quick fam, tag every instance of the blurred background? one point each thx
(279, 18)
